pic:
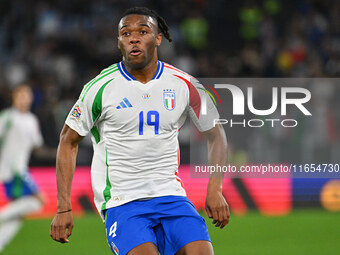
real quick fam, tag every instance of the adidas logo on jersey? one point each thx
(124, 104)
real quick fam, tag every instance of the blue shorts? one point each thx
(169, 222)
(20, 186)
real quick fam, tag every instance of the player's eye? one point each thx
(143, 32)
(125, 33)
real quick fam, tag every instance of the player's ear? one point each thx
(158, 39)
(118, 44)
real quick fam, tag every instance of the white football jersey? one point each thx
(134, 130)
(19, 134)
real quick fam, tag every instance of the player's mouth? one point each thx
(135, 52)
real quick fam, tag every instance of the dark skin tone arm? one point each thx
(216, 206)
(138, 40)
(62, 224)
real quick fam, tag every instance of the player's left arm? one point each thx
(216, 205)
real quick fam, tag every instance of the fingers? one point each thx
(209, 212)
(215, 217)
(52, 231)
(59, 231)
(69, 232)
(213, 214)
(221, 219)
(58, 234)
(62, 235)
(220, 215)
(225, 215)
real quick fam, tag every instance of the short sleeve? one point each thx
(80, 118)
(88, 108)
(201, 108)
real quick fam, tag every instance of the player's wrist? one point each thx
(64, 207)
(215, 184)
(65, 211)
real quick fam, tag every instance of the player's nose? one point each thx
(134, 38)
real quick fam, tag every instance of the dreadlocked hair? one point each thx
(162, 26)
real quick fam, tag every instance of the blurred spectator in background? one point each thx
(19, 135)
(195, 31)
(59, 45)
(251, 17)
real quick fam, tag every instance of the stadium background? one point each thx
(57, 46)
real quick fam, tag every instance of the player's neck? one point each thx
(21, 108)
(145, 74)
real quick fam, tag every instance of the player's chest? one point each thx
(161, 103)
(23, 128)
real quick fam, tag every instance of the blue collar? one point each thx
(129, 77)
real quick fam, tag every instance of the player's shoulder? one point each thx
(179, 74)
(106, 76)
(174, 71)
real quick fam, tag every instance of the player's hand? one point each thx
(61, 227)
(217, 208)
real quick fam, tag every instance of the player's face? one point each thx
(22, 98)
(138, 40)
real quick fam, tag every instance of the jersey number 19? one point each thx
(152, 119)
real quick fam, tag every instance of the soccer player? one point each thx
(134, 110)
(19, 135)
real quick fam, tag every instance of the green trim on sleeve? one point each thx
(97, 110)
(97, 102)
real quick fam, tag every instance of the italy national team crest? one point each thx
(169, 99)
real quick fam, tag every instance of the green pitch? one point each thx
(302, 232)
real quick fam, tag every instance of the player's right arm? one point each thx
(66, 162)
(81, 119)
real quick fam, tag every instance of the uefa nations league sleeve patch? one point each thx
(76, 113)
